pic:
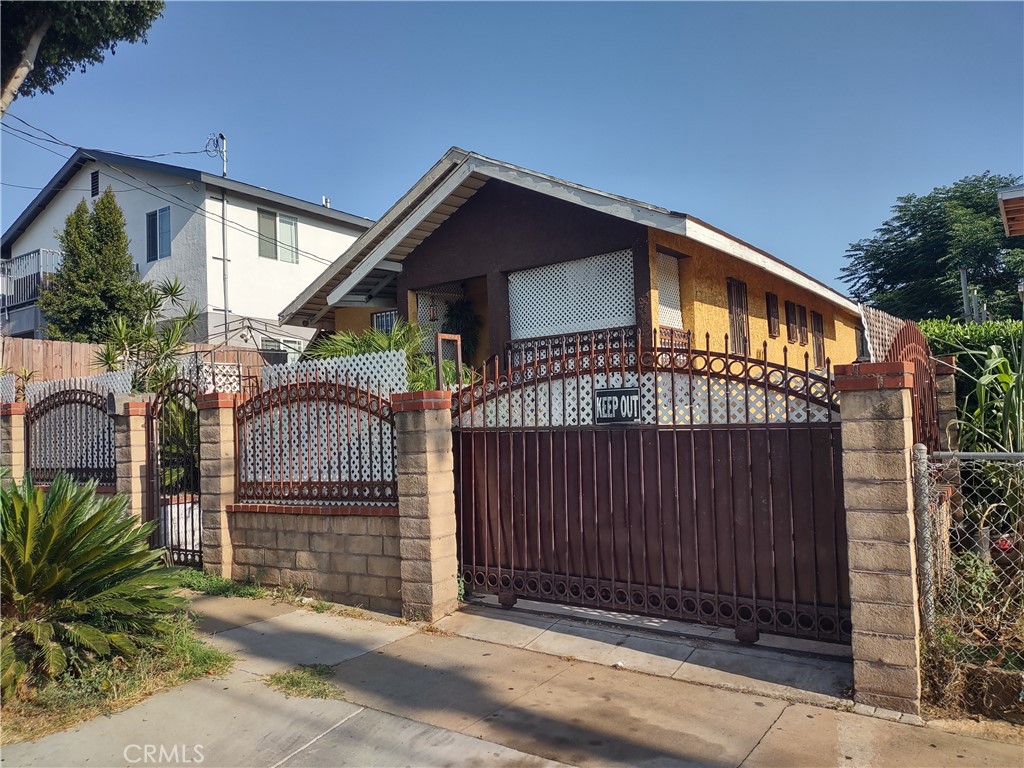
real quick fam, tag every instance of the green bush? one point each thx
(411, 339)
(955, 337)
(78, 582)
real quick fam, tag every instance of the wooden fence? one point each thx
(50, 360)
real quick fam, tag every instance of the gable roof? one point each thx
(454, 179)
(126, 163)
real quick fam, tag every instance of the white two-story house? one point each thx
(180, 222)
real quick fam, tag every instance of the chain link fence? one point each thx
(970, 518)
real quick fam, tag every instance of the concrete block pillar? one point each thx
(426, 504)
(12, 439)
(945, 387)
(877, 446)
(130, 450)
(216, 478)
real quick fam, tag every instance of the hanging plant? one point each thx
(463, 320)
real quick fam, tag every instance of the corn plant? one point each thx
(992, 417)
(78, 581)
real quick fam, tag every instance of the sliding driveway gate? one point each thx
(602, 470)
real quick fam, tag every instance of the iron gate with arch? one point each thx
(173, 461)
(711, 492)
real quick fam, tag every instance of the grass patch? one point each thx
(309, 681)
(210, 584)
(111, 685)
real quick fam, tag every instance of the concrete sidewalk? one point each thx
(434, 697)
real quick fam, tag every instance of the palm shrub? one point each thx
(150, 343)
(404, 337)
(78, 582)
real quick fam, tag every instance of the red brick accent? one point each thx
(435, 400)
(209, 400)
(135, 408)
(861, 376)
(945, 365)
(12, 409)
(298, 509)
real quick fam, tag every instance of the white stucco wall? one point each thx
(258, 287)
(188, 231)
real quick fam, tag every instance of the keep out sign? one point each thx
(617, 406)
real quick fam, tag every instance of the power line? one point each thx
(54, 140)
(77, 189)
(182, 203)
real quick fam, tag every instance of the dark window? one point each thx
(791, 330)
(772, 306)
(158, 234)
(268, 234)
(151, 237)
(863, 353)
(818, 335)
(384, 321)
(94, 183)
(801, 321)
(739, 325)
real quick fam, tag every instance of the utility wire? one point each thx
(54, 140)
(182, 203)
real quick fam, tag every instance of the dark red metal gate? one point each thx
(721, 502)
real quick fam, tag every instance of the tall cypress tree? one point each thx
(97, 280)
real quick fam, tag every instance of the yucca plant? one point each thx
(78, 581)
(149, 345)
(404, 337)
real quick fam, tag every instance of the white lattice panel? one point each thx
(665, 399)
(573, 296)
(386, 371)
(7, 388)
(119, 382)
(89, 445)
(670, 308)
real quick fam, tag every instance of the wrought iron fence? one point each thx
(316, 440)
(70, 431)
(970, 510)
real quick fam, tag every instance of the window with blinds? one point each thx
(818, 337)
(670, 310)
(801, 321)
(739, 322)
(792, 334)
(772, 312)
(279, 236)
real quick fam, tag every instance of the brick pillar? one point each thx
(877, 445)
(130, 455)
(426, 504)
(945, 386)
(216, 478)
(12, 439)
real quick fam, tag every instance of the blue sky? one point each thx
(791, 125)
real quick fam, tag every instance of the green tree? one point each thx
(43, 43)
(911, 267)
(97, 280)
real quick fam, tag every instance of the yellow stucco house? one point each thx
(533, 256)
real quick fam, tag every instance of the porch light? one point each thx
(1020, 291)
(432, 309)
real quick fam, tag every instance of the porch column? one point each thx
(426, 504)
(945, 387)
(130, 450)
(216, 478)
(12, 439)
(877, 443)
(498, 328)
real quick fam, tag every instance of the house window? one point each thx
(801, 320)
(818, 335)
(94, 183)
(791, 330)
(739, 324)
(772, 306)
(158, 234)
(670, 311)
(279, 236)
(384, 321)
(291, 346)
